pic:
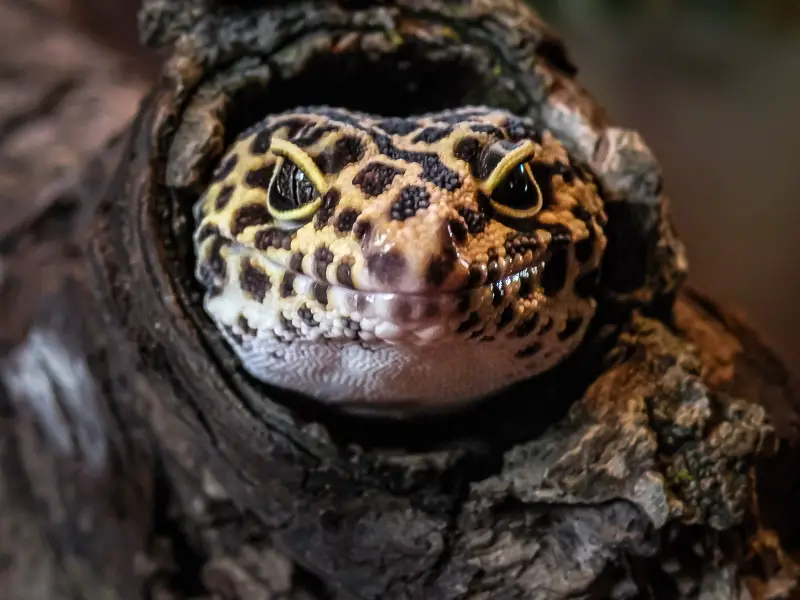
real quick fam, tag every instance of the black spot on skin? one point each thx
(398, 126)
(520, 244)
(296, 262)
(441, 266)
(567, 174)
(531, 350)
(584, 249)
(498, 293)
(361, 230)
(386, 267)
(431, 135)
(520, 129)
(327, 207)
(244, 325)
(287, 285)
(555, 273)
(488, 338)
(560, 234)
(261, 143)
(320, 292)
(375, 178)
(469, 323)
(292, 125)
(475, 276)
(344, 272)
(238, 339)
(254, 281)
(411, 199)
(457, 229)
(226, 168)
(581, 213)
(344, 151)
(476, 334)
(224, 197)
(206, 232)
(586, 284)
(350, 326)
(439, 174)
(288, 326)
(214, 269)
(346, 220)
(486, 128)
(273, 238)
(475, 220)
(506, 317)
(322, 258)
(571, 327)
(311, 134)
(307, 316)
(525, 284)
(433, 169)
(543, 173)
(259, 178)
(468, 149)
(583, 172)
(249, 215)
(527, 327)
(493, 271)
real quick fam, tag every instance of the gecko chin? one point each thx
(375, 350)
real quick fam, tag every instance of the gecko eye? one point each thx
(517, 195)
(292, 196)
(297, 185)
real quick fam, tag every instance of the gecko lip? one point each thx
(530, 274)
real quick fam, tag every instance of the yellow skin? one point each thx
(420, 262)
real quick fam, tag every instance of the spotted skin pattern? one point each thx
(405, 285)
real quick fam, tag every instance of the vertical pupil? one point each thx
(293, 189)
(516, 190)
(297, 184)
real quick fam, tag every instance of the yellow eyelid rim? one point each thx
(525, 151)
(512, 160)
(286, 150)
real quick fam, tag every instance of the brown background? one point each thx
(718, 99)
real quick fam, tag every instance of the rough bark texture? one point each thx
(138, 462)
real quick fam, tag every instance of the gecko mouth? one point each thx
(498, 281)
(522, 280)
(407, 317)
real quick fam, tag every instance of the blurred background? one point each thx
(714, 86)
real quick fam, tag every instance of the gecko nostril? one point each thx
(441, 265)
(387, 267)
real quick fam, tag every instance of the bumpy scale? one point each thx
(427, 260)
